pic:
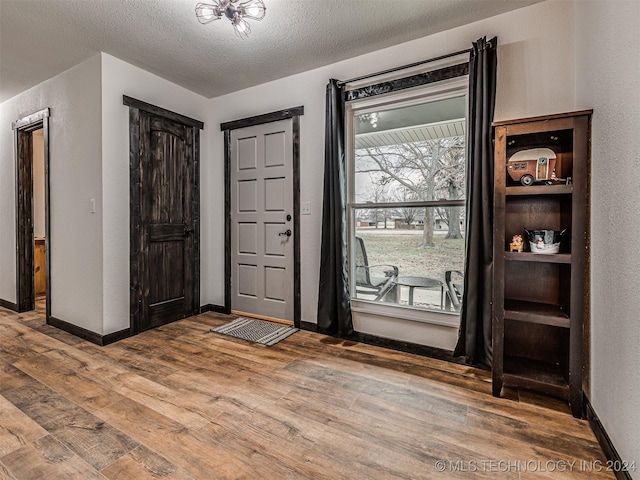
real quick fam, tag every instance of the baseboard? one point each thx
(406, 347)
(8, 305)
(209, 307)
(113, 337)
(605, 442)
(309, 327)
(88, 335)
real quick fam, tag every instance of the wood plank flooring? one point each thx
(180, 402)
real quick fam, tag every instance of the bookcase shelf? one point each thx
(533, 312)
(537, 258)
(540, 190)
(539, 299)
(534, 374)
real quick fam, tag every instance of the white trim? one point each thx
(406, 312)
(420, 204)
(27, 120)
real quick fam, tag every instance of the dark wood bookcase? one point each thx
(539, 299)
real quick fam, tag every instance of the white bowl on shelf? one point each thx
(544, 248)
(545, 242)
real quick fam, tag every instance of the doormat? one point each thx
(256, 331)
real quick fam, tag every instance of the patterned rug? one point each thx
(256, 331)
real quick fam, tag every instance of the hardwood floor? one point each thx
(180, 402)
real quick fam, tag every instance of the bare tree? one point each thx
(407, 214)
(454, 156)
(429, 170)
(377, 194)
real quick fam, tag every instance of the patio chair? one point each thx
(454, 289)
(376, 280)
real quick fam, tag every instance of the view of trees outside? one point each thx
(424, 241)
(418, 171)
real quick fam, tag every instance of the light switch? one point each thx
(92, 205)
(305, 208)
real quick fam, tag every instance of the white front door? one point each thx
(262, 251)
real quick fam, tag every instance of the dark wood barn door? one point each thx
(164, 218)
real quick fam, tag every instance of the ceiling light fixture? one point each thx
(372, 118)
(237, 12)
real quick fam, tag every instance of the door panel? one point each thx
(247, 200)
(247, 153)
(276, 285)
(275, 147)
(248, 238)
(262, 254)
(275, 190)
(247, 280)
(273, 244)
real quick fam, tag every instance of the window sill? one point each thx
(406, 312)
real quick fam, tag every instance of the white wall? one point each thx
(38, 184)
(118, 79)
(535, 77)
(76, 235)
(608, 80)
(7, 205)
(8, 114)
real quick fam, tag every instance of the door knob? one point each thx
(187, 231)
(287, 233)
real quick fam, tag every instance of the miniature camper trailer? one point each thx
(532, 165)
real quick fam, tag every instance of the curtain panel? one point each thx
(474, 340)
(334, 303)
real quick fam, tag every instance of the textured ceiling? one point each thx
(41, 38)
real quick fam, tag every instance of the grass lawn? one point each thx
(402, 250)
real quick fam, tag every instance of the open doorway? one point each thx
(39, 230)
(32, 212)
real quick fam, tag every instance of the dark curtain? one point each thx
(474, 341)
(334, 307)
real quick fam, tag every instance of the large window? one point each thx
(406, 196)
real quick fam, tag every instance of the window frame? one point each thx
(442, 90)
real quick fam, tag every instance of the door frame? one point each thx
(289, 113)
(138, 259)
(25, 275)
